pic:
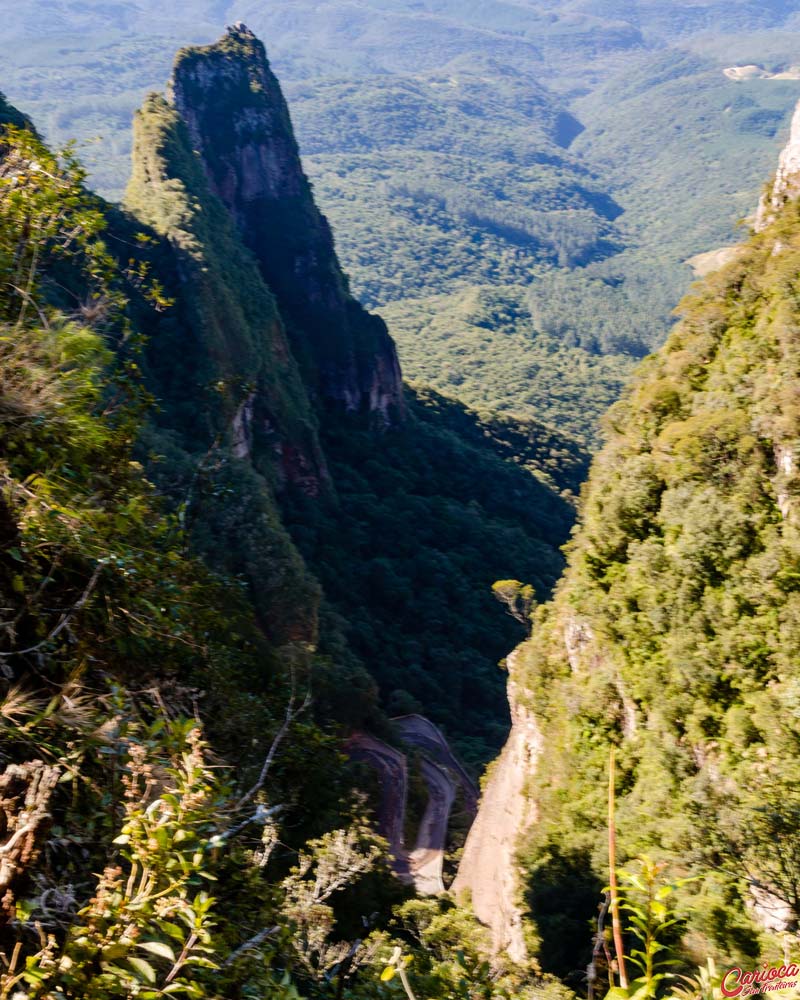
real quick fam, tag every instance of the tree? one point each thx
(519, 598)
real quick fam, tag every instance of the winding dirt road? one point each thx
(442, 774)
(427, 858)
(420, 732)
(392, 771)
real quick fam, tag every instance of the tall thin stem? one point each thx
(406, 984)
(612, 864)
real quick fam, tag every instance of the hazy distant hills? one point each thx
(465, 148)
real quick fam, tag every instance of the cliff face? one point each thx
(672, 635)
(235, 418)
(238, 121)
(233, 332)
(787, 179)
(487, 875)
(263, 334)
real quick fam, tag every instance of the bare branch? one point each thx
(176, 968)
(291, 715)
(30, 299)
(261, 815)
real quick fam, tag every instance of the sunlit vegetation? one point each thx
(673, 632)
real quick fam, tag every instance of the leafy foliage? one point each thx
(671, 634)
(98, 597)
(117, 639)
(647, 903)
(424, 519)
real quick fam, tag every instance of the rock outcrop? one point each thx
(787, 179)
(232, 332)
(239, 124)
(487, 875)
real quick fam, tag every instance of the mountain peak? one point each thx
(239, 28)
(240, 126)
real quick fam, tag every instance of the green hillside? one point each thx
(673, 634)
(465, 169)
(482, 345)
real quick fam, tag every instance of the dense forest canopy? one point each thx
(571, 156)
(673, 634)
(257, 593)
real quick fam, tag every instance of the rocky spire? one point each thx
(239, 124)
(787, 180)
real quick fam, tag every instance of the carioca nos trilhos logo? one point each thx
(769, 978)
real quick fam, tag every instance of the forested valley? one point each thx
(398, 570)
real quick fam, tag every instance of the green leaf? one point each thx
(172, 929)
(158, 948)
(203, 963)
(117, 971)
(144, 969)
(114, 951)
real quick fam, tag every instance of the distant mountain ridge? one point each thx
(501, 145)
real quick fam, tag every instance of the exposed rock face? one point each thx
(242, 428)
(239, 123)
(787, 179)
(785, 481)
(771, 912)
(488, 872)
(232, 332)
(578, 635)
